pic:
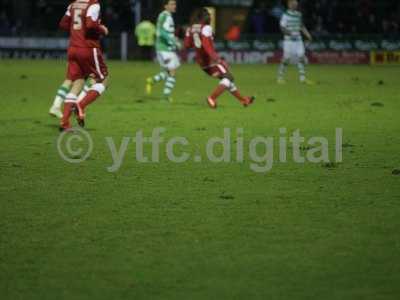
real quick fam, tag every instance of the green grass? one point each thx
(201, 230)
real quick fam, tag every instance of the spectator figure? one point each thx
(145, 33)
(278, 9)
(341, 28)
(258, 20)
(365, 7)
(319, 29)
(385, 27)
(113, 19)
(233, 33)
(4, 24)
(372, 24)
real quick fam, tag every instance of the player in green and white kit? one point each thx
(166, 47)
(292, 27)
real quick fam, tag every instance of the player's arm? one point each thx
(65, 23)
(188, 42)
(93, 20)
(283, 24)
(285, 31)
(208, 43)
(306, 33)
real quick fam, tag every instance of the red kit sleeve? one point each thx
(65, 23)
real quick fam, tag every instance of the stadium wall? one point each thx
(268, 51)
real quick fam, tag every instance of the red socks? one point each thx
(233, 90)
(89, 98)
(66, 115)
(70, 103)
(238, 96)
(218, 91)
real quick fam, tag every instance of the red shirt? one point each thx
(201, 38)
(82, 20)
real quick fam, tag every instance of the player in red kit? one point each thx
(200, 37)
(85, 58)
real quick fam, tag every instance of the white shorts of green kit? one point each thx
(168, 60)
(293, 50)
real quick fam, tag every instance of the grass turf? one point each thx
(201, 230)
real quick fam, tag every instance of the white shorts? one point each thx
(293, 50)
(168, 60)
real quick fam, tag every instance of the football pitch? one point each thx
(202, 230)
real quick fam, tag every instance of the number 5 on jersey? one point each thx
(77, 19)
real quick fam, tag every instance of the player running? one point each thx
(166, 47)
(200, 36)
(293, 46)
(63, 90)
(85, 59)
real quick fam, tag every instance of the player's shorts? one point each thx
(216, 70)
(168, 60)
(86, 62)
(293, 50)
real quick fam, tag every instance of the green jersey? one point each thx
(166, 40)
(292, 21)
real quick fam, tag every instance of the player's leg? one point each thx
(75, 74)
(221, 71)
(94, 66)
(162, 76)
(62, 92)
(70, 102)
(169, 85)
(285, 62)
(88, 84)
(172, 65)
(227, 84)
(244, 100)
(219, 90)
(301, 60)
(302, 69)
(56, 108)
(223, 85)
(93, 94)
(301, 64)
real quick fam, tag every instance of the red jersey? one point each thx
(82, 20)
(201, 38)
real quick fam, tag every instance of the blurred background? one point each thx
(247, 31)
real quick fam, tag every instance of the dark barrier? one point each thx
(328, 50)
(332, 50)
